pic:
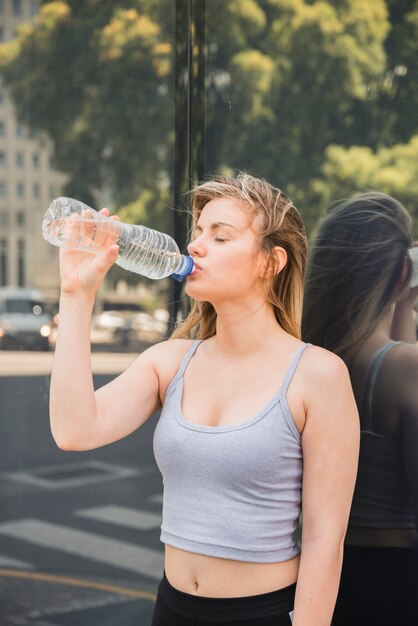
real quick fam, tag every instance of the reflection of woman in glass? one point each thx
(242, 401)
(357, 302)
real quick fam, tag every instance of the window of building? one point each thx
(3, 189)
(2, 159)
(1, 33)
(35, 161)
(17, 7)
(3, 262)
(21, 249)
(1, 97)
(20, 159)
(4, 219)
(20, 190)
(36, 190)
(20, 218)
(19, 131)
(2, 129)
(33, 7)
(1, 6)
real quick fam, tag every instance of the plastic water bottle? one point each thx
(73, 225)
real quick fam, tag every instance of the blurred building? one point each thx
(27, 184)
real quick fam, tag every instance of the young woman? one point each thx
(358, 304)
(244, 402)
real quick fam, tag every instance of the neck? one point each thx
(246, 329)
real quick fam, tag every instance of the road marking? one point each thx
(156, 498)
(122, 516)
(78, 582)
(6, 561)
(64, 475)
(87, 545)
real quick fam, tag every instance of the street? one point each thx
(79, 532)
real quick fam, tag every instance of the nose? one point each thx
(196, 247)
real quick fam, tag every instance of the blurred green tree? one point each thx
(392, 170)
(96, 77)
(285, 79)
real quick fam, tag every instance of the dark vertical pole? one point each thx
(189, 124)
(197, 91)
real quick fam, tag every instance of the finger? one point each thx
(107, 258)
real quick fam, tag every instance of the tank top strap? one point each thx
(370, 381)
(187, 358)
(292, 368)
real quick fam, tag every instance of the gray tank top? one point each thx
(381, 496)
(232, 492)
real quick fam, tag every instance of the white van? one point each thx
(24, 320)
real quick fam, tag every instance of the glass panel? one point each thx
(319, 98)
(89, 96)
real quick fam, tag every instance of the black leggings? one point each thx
(379, 587)
(175, 608)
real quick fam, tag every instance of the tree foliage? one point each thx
(318, 96)
(392, 170)
(96, 77)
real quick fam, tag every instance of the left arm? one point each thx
(330, 445)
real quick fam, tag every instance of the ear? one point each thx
(278, 260)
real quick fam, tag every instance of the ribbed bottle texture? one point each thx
(72, 225)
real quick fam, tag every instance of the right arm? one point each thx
(81, 418)
(404, 324)
(410, 424)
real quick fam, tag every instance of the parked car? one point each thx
(24, 319)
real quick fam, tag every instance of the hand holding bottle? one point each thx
(73, 225)
(83, 272)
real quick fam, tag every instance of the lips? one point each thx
(196, 268)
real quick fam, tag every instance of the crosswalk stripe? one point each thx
(156, 498)
(122, 516)
(6, 561)
(87, 545)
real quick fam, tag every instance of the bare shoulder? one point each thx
(322, 367)
(167, 354)
(327, 389)
(166, 357)
(402, 371)
(404, 357)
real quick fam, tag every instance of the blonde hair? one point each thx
(281, 225)
(354, 267)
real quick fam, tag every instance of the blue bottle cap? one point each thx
(186, 268)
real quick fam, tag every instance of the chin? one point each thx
(194, 293)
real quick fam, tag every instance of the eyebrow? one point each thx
(216, 226)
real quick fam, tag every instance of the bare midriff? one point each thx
(213, 577)
(382, 537)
